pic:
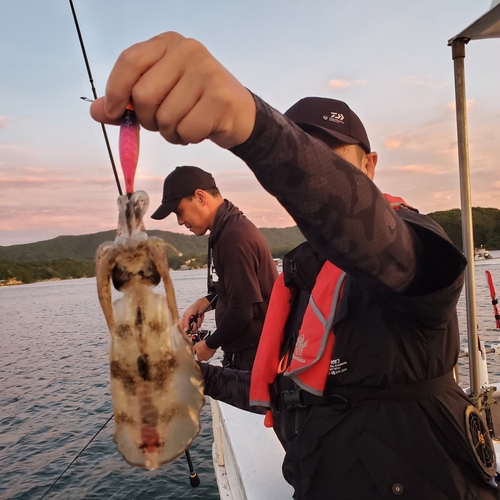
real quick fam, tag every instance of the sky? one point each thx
(388, 59)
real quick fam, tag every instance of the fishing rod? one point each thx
(494, 300)
(193, 478)
(113, 166)
(76, 458)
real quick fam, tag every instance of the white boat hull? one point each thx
(247, 456)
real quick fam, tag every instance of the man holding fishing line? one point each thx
(243, 262)
(374, 411)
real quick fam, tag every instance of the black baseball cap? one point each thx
(182, 182)
(334, 117)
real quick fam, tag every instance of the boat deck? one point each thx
(244, 450)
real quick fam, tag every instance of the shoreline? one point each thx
(15, 281)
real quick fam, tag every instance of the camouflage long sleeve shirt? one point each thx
(336, 206)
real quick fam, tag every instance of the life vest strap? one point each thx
(348, 397)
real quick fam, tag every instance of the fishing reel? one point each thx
(199, 336)
(196, 335)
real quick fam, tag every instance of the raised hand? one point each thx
(179, 89)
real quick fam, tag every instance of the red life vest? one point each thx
(314, 346)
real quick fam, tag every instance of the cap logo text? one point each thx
(334, 117)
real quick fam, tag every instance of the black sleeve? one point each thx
(432, 296)
(212, 299)
(439, 261)
(234, 321)
(335, 205)
(229, 385)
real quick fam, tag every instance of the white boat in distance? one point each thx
(481, 253)
(247, 456)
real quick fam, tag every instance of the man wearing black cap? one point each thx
(242, 260)
(373, 411)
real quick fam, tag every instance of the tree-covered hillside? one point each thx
(83, 247)
(73, 256)
(68, 257)
(486, 226)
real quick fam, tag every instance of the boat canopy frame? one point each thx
(485, 27)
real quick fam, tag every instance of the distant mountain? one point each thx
(67, 257)
(486, 226)
(83, 247)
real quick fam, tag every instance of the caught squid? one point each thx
(156, 384)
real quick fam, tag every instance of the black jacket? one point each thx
(396, 326)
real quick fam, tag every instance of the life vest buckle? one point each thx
(298, 398)
(291, 399)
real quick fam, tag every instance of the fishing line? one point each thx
(119, 191)
(76, 458)
(94, 93)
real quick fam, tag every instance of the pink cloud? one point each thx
(424, 80)
(441, 196)
(50, 204)
(421, 169)
(471, 103)
(392, 143)
(12, 148)
(437, 136)
(343, 84)
(75, 219)
(41, 178)
(339, 84)
(4, 122)
(452, 148)
(53, 182)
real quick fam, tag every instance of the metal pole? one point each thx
(458, 54)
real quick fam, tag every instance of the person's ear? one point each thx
(201, 196)
(371, 163)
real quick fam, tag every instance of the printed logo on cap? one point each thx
(334, 117)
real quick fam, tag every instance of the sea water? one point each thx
(54, 394)
(488, 332)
